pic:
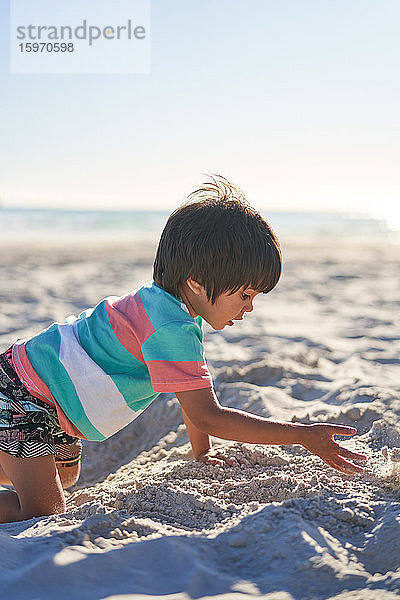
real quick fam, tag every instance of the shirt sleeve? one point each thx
(174, 356)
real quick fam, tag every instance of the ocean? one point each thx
(75, 225)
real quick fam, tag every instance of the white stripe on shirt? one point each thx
(103, 403)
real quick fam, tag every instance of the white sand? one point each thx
(146, 520)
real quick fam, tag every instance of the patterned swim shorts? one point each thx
(28, 426)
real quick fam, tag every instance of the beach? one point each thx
(147, 521)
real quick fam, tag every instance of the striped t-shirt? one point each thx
(102, 368)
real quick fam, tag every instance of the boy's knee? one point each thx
(44, 508)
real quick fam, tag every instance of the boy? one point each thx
(92, 375)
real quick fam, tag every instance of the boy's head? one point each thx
(219, 241)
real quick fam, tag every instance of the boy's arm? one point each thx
(199, 440)
(208, 416)
(202, 447)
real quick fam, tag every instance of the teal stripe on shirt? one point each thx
(160, 306)
(170, 343)
(137, 391)
(99, 341)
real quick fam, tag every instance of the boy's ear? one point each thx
(195, 286)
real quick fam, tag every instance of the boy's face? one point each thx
(226, 309)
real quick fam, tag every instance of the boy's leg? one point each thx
(69, 475)
(38, 489)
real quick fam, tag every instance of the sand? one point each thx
(145, 520)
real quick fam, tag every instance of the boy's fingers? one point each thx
(215, 462)
(221, 457)
(351, 468)
(210, 460)
(233, 461)
(345, 466)
(350, 454)
(342, 430)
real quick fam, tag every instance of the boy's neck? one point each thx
(186, 294)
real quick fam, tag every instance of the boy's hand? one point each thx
(318, 439)
(217, 459)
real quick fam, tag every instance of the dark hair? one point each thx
(220, 241)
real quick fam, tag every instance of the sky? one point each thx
(295, 101)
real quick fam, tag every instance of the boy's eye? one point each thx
(245, 296)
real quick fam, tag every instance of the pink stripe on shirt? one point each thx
(28, 376)
(123, 313)
(184, 375)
